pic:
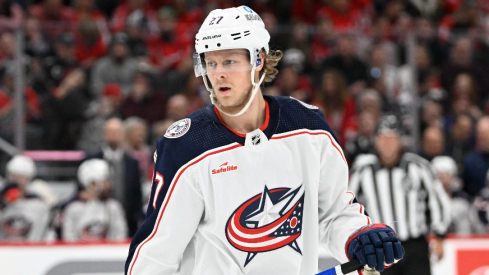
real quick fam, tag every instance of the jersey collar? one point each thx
(268, 127)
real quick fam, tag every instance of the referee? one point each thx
(401, 190)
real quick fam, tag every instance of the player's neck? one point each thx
(251, 120)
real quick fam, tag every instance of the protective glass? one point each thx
(233, 62)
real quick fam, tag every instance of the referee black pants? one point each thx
(416, 261)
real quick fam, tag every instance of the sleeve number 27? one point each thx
(159, 184)
(219, 18)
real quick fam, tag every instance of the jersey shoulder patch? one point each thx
(178, 128)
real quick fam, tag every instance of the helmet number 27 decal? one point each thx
(214, 19)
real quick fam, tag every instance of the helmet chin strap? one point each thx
(256, 86)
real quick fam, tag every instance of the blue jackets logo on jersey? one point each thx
(267, 221)
(178, 128)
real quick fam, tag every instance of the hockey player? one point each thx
(24, 216)
(95, 216)
(252, 184)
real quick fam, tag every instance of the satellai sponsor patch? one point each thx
(178, 128)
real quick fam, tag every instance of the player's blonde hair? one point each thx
(269, 67)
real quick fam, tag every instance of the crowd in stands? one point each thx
(109, 77)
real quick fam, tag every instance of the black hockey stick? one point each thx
(343, 268)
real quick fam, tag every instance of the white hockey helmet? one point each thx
(93, 171)
(444, 164)
(21, 165)
(232, 28)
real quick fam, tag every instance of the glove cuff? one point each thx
(361, 230)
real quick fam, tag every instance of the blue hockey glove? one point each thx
(375, 245)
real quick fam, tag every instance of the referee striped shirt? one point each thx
(408, 197)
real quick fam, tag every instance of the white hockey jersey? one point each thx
(260, 203)
(94, 220)
(25, 220)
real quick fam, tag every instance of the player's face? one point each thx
(229, 74)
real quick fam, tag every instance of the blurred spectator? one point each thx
(378, 67)
(389, 104)
(461, 61)
(344, 60)
(370, 101)
(426, 36)
(195, 93)
(137, 31)
(107, 7)
(108, 105)
(23, 216)
(300, 38)
(89, 46)
(431, 115)
(190, 18)
(170, 49)
(323, 41)
(36, 42)
(339, 108)
(65, 111)
(459, 139)
(85, 10)
(32, 114)
(125, 8)
(420, 79)
(96, 216)
(291, 81)
(344, 15)
(380, 34)
(466, 19)
(428, 9)
(118, 67)
(7, 51)
(124, 173)
(305, 10)
(55, 68)
(464, 96)
(11, 15)
(177, 107)
(278, 32)
(476, 163)
(55, 18)
(363, 140)
(432, 143)
(393, 11)
(136, 133)
(446, 171)
(144, 101)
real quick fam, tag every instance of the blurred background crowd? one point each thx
(108, 77)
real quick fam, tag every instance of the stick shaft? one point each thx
(345, 268)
